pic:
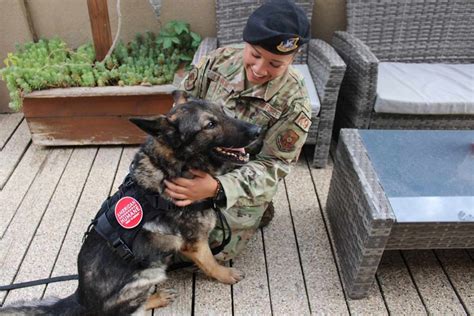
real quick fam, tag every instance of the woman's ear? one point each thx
(180, 96)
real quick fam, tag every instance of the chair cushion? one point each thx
(313, 95)
(425, 88)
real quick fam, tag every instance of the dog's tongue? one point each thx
(240, 150)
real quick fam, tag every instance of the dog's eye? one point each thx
(210, 125)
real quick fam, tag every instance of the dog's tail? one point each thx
(51, 306)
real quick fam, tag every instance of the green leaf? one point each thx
(167, 43)
(175, 40)
(195, 36)
(185, 57)
(180, 27)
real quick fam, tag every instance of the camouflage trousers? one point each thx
(243, 223)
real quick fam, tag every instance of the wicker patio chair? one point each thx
(325, 66)
(401, 31)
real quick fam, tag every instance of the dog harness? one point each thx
(123, 214)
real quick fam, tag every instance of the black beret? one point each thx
(279, 26)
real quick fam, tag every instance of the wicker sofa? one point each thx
(402, 32)
(325, 67)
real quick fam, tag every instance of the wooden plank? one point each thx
(460, 271)
(8, 125)
(397, 286)
(435, 289)
(320, 273)
(100, 25)
(103, 91)
(127, 105)
(97, 188)
(252, 295)
(182, 282)
(321, 177)
(17, 238)
(373, 303)
(288, 295)
(39, 260)
(14, 191)
(211, 297)
(91, 120)
(67, 131)
(25, 8)
(12, 152)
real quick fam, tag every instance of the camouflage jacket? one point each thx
(281, 106)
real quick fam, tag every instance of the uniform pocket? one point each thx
(244, 217)
(253, 111)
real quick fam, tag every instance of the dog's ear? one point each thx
(180, 96)
(151, 126)
(159, 126)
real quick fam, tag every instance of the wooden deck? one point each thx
(48, 197)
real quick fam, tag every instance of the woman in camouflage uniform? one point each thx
(256, 83)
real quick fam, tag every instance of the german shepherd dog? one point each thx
(195, 134)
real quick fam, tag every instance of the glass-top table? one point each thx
(394, 189)
(428, 176)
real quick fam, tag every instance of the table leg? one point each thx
(359, 215)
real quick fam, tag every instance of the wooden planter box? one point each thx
(93, 116)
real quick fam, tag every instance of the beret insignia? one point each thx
(303, 121)
(191, 79)
(288, 45)
(286, 140)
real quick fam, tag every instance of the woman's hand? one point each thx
(186, 191)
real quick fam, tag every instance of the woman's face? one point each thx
(262, 66)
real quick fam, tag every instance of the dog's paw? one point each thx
(169, 295)
(162, 298)
(231, 276)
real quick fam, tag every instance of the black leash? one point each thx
(39, 282)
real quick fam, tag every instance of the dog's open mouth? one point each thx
(236, 155)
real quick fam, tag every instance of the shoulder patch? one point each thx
(303, 121)
(191, 79)
(286, 140)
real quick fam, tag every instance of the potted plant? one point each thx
(68, 98)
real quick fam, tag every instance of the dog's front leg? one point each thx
(201, 254)
(161, 298)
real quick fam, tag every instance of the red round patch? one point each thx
(128, 212)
